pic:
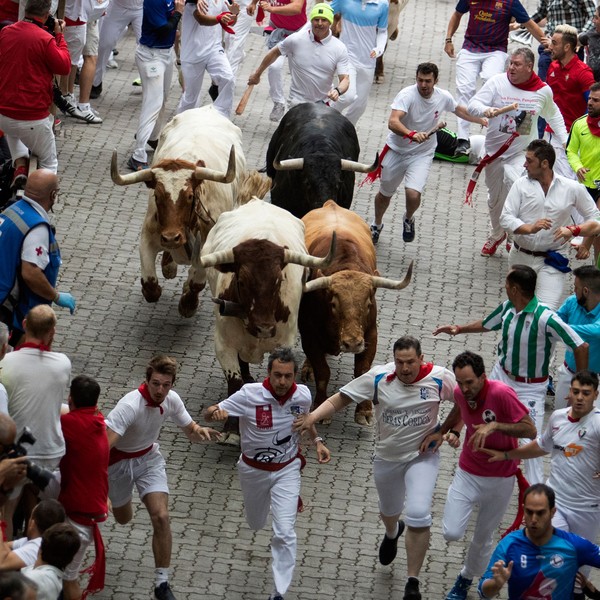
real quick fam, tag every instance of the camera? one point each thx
(50, 24)
(38, 475)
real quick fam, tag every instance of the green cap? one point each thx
(322, 11)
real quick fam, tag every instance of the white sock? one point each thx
(83, 107)
(379, 227)
(161, 574)
(394, 534)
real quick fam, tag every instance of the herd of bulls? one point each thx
(303, 262)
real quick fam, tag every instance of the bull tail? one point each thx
(253, 184)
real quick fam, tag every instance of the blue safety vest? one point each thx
(15, 223)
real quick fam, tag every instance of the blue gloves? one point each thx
(66, 300)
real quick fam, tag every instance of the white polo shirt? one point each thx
(139, 425)
(313, 64)
(200, 41)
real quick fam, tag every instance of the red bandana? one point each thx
(424, 370)
(143, 390)
(533, 84)
(281, 399)
(594, 125)
(41, 347)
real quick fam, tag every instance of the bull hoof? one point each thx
(378, 79)
(364, 419)
(394, 35)
(306, 374)
(151, 290)
(230, 438)
(188, 304)
(168, 266)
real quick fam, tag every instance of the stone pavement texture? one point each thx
(114, 332)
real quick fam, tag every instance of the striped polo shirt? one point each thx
(528, 337)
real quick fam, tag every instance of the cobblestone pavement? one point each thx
(114, 332)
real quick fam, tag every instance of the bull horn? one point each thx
(351, 165)
(320, 283)
(390, 284)
(218, 176)
(289, 164)
(227, 308)
(217, 258)
(137, 177)
(313, 262)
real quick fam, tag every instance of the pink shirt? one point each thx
(496, 402)
(291, 22)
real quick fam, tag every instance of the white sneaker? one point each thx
(70, 106)
(112, 64)
(89, 116)
(277, 112)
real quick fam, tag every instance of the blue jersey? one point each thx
(542, 572)
(155, 18)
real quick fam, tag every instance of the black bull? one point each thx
(312, 158)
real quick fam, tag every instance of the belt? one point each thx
(525, 379)
(530, 252)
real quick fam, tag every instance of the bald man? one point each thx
(35, 402)
(30, 253)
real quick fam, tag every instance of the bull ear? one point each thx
(226, 268)
(377, 273)
(200, 163)
(151, 183)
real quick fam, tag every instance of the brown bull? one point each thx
(338, 312)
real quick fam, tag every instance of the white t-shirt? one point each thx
(405, 413)
(48, 580)
(497, 92)
(313, 65)
(200, 41)
(575, 448)
(422, 114)
(265, 425)
(37, 383)
(27, 550)
(3, 400)
(139, 425)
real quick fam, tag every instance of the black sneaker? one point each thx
(463, 148)
(164, 592)
(411, 590)
(96, 91)
(375, 233)
(213, 92)
(408, 231)
(389, 547)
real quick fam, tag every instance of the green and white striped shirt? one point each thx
(528, 337)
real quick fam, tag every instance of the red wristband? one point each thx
(411, 135)
(220, 22)
(574, 229)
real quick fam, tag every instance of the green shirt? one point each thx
(583, 150)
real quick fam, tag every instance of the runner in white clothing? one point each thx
(133, 427)
(406, 395)
(572, 438)
(510, 132)
(270, 464)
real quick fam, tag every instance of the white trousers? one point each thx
(112, 27)
(492, 495)
(354, 102)
(550, 281)
(279, 491)
(533, 396)
(156, 70)
(562, 386)
(407, 486)
(217, 66)
(470, 65)
(234, 44)
(275, 75)
(499, 178)
(37, 136)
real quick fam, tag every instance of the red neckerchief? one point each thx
(533, 84)
(572, 420)
(41, 347)
(281, 399)
(424, 370)
(143, 390)
(594, 125)
(376, 174)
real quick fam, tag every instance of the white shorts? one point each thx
(409, 485)
(86, 535)
(413, 169)
(75, 38)
(92, 37)
(147, 472)
(583, 523)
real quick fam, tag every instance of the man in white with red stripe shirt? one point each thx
(133, 427)
(270, 464)
(406, 395)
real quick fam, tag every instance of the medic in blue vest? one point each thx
(30, 254)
